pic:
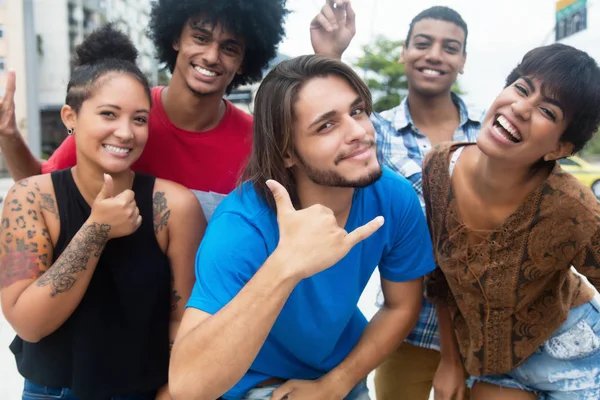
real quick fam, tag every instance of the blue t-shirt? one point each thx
(320, 323)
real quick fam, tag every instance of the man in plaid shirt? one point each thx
(433, 55)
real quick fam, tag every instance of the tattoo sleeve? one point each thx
(89, 242)
(160, 211)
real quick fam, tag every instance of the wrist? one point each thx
(9, 137)
(282, 264)
(339, 382)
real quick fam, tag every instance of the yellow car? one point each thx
(587, 173)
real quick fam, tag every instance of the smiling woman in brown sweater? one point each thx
(507, 224)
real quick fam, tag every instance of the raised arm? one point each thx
(39, 295)
(333, 28)
(19, 159)
(213, 352)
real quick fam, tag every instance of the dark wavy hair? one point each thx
(572, 77)
(274, 117)
(105, 50)
(258, 22)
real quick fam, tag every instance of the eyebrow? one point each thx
(199, 27)
(143, 110)
(557, 103)
(431, 38)
(332, 113)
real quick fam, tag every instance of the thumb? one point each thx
(283, 203)
(107, 189)
(363, 232)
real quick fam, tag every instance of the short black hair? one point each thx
(439, 13)
(572, 77)
(258, 22)
(105, 50)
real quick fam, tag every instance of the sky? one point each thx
(500, 33)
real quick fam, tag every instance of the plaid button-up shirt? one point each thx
(402, 148)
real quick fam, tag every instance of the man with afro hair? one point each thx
(196, 137)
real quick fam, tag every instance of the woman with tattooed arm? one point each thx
(96, 262)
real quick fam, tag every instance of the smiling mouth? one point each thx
(503, 127)
(205, 72)
(115, 149)
(431, 72)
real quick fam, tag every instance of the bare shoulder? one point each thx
(171, 200)
(36, 192)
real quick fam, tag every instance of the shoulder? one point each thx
(569, 199)
(241, 118)
(179, 198)
(33, 189)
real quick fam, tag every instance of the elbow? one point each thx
(182, 389)
(30, 335)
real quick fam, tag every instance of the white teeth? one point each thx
(431, 72)
(205, 71)
(116, 149)
(509, 127)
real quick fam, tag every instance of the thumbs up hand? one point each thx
(119, 212)
(311, 238)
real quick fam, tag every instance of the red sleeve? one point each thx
(64, 157)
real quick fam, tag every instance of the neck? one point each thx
(499, 182)
(189, 111)
(431, 110)
(90, 179)
(339, 200)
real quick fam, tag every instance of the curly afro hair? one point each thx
(258, 22)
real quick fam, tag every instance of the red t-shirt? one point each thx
(208, 162)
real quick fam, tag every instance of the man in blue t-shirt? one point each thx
(274, 309)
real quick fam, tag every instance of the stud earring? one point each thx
(70, 131)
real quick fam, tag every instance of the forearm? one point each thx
(49, 301)
(216, 354)
(383, 335)
(20, 161)
(448, 344)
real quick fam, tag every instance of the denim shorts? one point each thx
(32, 391)
(566, 366)
(360, 392)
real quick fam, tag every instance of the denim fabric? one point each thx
(566, 366)
(360, 392)
(32, 391)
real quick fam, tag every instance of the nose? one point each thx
(522, 108)
(434, 54)
(355, 130)
(124, 132)
(211, 54)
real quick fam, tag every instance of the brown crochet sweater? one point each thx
(508, 294)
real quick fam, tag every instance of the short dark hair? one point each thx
(572, 77)
(258, 22)
(274, 118)
(104, 51)
(439, 13)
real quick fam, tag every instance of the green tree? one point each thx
(384, 75)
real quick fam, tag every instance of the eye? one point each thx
(325, 126)
(201, 39)
(421, 45)
(108, 114)
(549, 114)
(521, 89)
(451, 49)
(141, 120)
(230, 49)
(357, 111)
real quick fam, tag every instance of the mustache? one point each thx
(365, 144)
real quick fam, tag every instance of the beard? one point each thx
(335, 179)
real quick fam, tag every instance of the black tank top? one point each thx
(117, 340)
